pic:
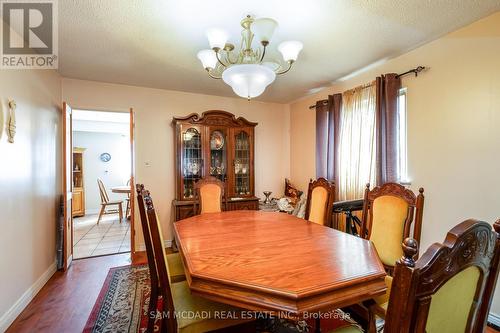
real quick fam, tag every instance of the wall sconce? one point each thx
(11, 122)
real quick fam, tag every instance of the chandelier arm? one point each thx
(220, 61)
(211, 75)
(290, 63)
(263, 54)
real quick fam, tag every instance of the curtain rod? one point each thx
(413, 70)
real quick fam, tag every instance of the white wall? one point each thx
(30, 187)
(116, 172)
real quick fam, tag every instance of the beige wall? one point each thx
(30, 183)
(453, 127)
(154, 110)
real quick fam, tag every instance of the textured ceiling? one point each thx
(153, 43)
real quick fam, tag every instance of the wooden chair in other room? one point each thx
(174, 261)
(450, 288)
(389, 211)
(127, 209)
(319, 205)
(105, 203)
(177, 297)
(209, 194)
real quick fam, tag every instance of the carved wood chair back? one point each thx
(319, 204)
(209, 195)
(102, 192)
(450, 288)
(141, 194)
(153, 227)
(389, 211)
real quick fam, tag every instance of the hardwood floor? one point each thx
(65, 302)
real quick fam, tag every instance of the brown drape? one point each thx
(321, 138)
(327, 136)
(387, 127)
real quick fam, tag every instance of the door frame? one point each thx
(68, 196)
(131, 112)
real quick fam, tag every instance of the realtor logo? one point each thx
(29, 34)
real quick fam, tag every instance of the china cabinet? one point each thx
(214, 144)
(78, 207)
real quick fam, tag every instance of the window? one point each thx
(402, 139)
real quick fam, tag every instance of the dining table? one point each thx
(275, 262)
(125, 189)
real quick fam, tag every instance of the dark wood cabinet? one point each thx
(214, 144)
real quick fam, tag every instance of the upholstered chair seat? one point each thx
(185, 302)
(387, 230)
(210, 198)
(174, 260)
(389, 213)
(320, 197)
(209, 195)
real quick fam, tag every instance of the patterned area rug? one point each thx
(122, 306)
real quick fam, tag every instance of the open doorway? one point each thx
(101, 175)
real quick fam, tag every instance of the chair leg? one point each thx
(317, 329)
(120, 212)
(127, 210)
(103, 207)
(152, 309)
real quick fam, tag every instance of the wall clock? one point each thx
(105, 157)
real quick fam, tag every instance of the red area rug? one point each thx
(122, 306)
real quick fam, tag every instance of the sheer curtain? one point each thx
(357, 143)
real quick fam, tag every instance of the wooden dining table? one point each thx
(121, 189)
(269, 261)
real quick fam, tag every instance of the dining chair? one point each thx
(174, 261)
(319, 205)
(389, 213)
(209, 196)
(450, 287)
(176, 297)
(105, 203)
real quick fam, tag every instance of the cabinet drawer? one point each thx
(183, 212)
(243, 205)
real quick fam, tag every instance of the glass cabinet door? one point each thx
(242, 164)
(218, 154)
(192, 161)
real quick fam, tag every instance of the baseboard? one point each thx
(8, 317)
(494, 319)
(91, 211)
(142, 247)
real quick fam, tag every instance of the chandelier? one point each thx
(245, 70)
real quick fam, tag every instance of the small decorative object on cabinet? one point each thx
(78, 187)
(267, 200)
(214, 144)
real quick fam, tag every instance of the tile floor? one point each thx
(108, 237)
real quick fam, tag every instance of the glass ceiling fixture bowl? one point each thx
(245, 70)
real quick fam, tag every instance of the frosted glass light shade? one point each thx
(264, 28)
(248, 80)
(217, 38)
(290, 49)
(207, 58)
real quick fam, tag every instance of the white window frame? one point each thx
(403, 137)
